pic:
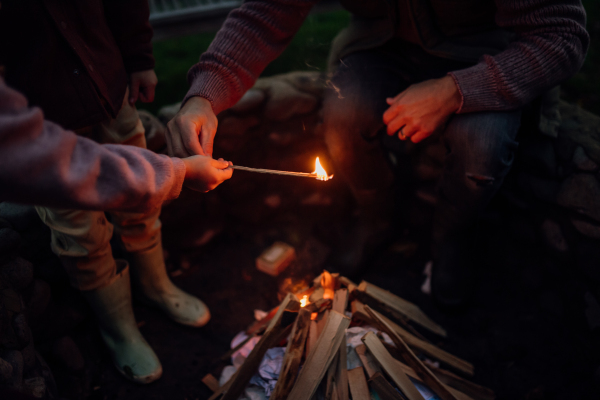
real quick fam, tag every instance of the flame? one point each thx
(320, 172)
(304, 301)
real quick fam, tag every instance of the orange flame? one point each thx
(320, 172)
(304, 301)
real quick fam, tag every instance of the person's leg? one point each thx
(140, 234)
(353, 109)
(481, 149)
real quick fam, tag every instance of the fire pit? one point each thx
(341, 345)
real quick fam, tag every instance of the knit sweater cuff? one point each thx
(179, 176)
(477, 88)
(212, 87)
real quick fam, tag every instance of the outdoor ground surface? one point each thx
(527, 332)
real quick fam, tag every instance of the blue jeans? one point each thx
(480, 146)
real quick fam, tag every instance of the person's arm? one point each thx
(40, 163)
(129, 23)
(550, 46)
(252, 36)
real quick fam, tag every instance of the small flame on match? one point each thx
(304, 301)
(320, 171)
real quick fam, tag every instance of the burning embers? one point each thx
(332, 352)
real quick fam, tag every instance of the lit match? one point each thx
(319, 172)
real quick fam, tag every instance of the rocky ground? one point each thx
(533, 331)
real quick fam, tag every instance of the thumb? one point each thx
(134, 89)
(206, 139)
(220, 163)
(389, 100)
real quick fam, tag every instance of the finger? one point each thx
(134, 89)
(188, 137)
(206, 139)
(219, 164)
(224, 174)
(169, 146)
(420, 135)
(409, 131)
(392, 112)
(395, 125)
(149, 92)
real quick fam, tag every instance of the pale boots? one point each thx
(154, 287)
(130, 352)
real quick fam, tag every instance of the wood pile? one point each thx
(396, 358)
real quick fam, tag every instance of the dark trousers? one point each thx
(480, 146)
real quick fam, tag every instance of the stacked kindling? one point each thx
(396, 359)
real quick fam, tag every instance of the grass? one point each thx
(309, 49)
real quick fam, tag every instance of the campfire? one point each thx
(344, 341)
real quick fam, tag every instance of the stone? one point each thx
(21, 217)
(587, 228)
(18, 272)
(166, 113)
(582, 161)
(251, 100)
(21, 329)
(36, 386)
(285, 101)
(233, 125)
(553, 234)
(155, 131)
(15, 359)
(582, 127)
(581, 192)
(6, 372)
(67, 353)
(10, 242)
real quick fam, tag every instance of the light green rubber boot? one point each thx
(130, 352)
(154, 287)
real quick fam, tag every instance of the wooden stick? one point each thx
(383, 388)
(341, 375)
(340, 301)
(400, 306)
(210, 381)
(358, 311)
(358, 384)
(278, 172)
(320, 357)
(469, 388)
(313, 335)
(293, 356)
(409, 357)
(348, 283)
(272, 335)
(385, 359)
(371, 367)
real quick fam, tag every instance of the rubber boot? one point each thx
(131, 354)
(154, 288)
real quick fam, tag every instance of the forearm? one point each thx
(40, 163)
(252, 36)
(550, 47)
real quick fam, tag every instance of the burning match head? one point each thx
(320, 171)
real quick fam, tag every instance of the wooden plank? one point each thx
(359, 312)
(348, 283)
(400, 306)
(330, 378)
(409, 357)
(341, 377)
(387, 362)
(293, 356)
(370, 365)
(320, 357)
(340, 301)
(469, 388)
(210, 381)
(358, 384)
(383, 388)
(271, 337)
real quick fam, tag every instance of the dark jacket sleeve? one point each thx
(42, 164)
(129, 22)
(550, 46)
(252, 36)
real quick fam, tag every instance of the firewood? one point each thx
(358, 384)
(276, 258)
(341, 376)
(319, 306)
(293, 355)
(359, 312)
(320, 357)
(383, 388)
(409, 357)
(313, 335)
(371, 366)
(330, 378)
(340, 301)
(258, 326)
(469, 388)
(210, 381)
(348, 283)
(387, 362)
(271, 337)
(397, 305)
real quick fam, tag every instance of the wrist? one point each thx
(453, 94)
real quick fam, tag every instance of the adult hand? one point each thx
(142, 85)
(203, 173)
(192, 130)
(422, 109)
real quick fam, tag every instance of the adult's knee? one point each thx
(482, 145)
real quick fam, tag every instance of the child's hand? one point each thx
(142, 84)
(203, 173)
